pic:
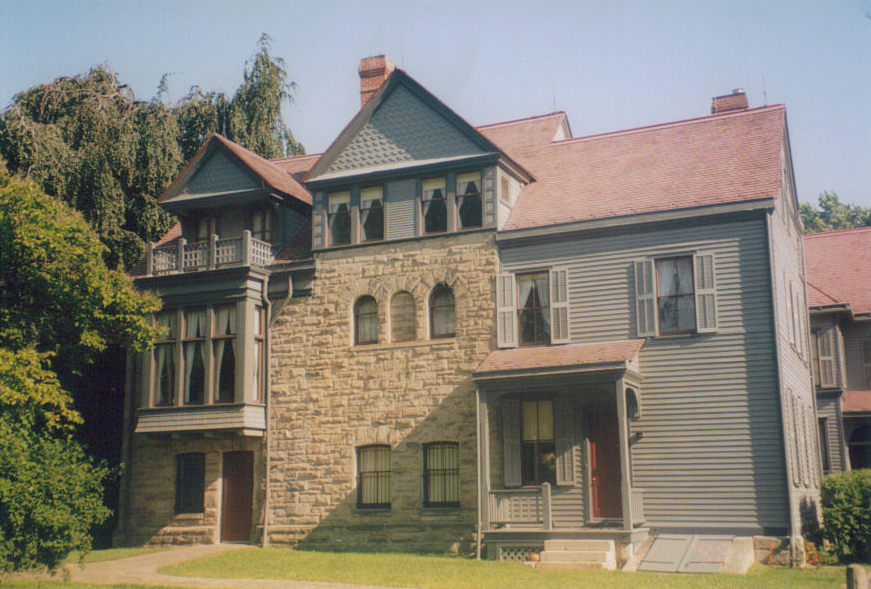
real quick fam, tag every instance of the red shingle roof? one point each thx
(524, 139)
(575, 355)
(298, 165)
(857, 402)
(731, 157)
(839, 268)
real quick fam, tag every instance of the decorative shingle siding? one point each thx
(220, 174)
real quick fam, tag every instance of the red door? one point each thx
(238, 494)
(605, 466)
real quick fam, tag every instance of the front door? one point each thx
(605, 494)
(238, 495)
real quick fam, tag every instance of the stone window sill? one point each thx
(371, 511)
(445, 341)
(188, 516)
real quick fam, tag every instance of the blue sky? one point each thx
(609, 64)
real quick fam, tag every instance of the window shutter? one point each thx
(506, 312)
(511, 441)
(826, 342)
(706, 294)
(564, 440)
(645, 298)
(559, 306)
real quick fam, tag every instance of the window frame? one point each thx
(259, 352)
(172, 345)
(691, 295)
(197, 342)
(331, 215)
(265, 217)
(373, 315)
(545, 311)
(362, 209)
(538, 444)
(227, 339)
(458, 198)
(424, 200)
(190, 500)
(433, 309)
(380, 477)
(450, 476)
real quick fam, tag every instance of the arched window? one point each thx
(366, 321)
(403, 326)
(442, 317)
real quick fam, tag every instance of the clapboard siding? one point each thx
(712, 451)
(855, 335)
(401, 208)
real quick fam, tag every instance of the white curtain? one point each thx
(196, 327)
(225, 324)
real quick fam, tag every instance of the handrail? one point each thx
(208, 254)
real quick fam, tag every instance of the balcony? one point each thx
(208, 254)
(245, 419)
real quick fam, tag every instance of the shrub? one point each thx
(846, 499)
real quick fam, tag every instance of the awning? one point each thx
(598, 356)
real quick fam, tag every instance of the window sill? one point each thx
(442, 341)
(188, 516)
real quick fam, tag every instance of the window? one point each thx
(224, 353)
(195, 355)
(190, 482)
(403, 323)
(469, 199)
(259, 356)
(435, 211)
(675, 295)
(339, 218)
(825, 358)
(866, 361)
(823, 425)
(206, 226)
(261, 224)
(366, 321)
(533, 308)
(164, 359)
(860, 448)
(675, 299)
(538, 451)
(442, 316)
(441, 474)
(373, 477)
(372, 213)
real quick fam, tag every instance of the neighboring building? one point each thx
(434, 335)
(839, 295)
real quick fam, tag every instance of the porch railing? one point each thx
(208, 254)
(521, 507)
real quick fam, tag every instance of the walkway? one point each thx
(142, 570)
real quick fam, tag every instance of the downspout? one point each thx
(478, 471)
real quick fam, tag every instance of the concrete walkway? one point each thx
(142, 570)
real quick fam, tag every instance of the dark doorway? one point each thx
(605, 493)
(238, 495)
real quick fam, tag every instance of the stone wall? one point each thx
(329, 396)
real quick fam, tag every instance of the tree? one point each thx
(60, 306)
(833, 214)
(87, 141)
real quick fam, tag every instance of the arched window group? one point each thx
(403, 316)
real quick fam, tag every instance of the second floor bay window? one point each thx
(372, 213)
(469, 199)
(339, 218)
(435, 210)
(164, 359)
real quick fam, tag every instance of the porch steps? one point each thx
(578, 555)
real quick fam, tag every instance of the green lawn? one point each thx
(64, 585)
(438, 572)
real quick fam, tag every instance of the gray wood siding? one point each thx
(829, 408)
(854, 336)
(712, 452)
(401, 208)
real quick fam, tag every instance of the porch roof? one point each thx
(857, 402)
(598, 355)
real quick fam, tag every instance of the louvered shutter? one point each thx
(564, 440)
(319, 220)
(826, 343)
(706, 294)
(559, 306)
(511, 441)
(506, 312)
(645, 298)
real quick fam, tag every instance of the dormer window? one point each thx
(339, 218)
(372, 213)
(469, 199)
(261, 224)
(434, 205)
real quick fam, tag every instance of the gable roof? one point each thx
(716, 159)
(271, 175)
(838, 266)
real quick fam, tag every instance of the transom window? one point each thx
(538, 451)
(435, 211)
(373, 477)
(441, 474)
(339, 217)
(366, 321)
(190, 482)
(533, 308)
(469, 199)
(675, 296)
(441, 311)
(372, 213)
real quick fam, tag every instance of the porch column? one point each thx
(625, 463)
(483, 459)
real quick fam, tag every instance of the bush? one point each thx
(846, 499)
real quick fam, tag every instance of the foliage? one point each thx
(832, 214)
(846, 499)
(87, 141)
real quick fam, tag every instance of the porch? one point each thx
(184, 256)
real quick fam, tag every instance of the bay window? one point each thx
(224, 353)
(194, 356)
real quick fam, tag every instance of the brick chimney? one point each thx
(737, 100)
(373, 71)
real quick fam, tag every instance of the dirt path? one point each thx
(142, 570)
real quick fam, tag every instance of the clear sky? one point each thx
(609, 64)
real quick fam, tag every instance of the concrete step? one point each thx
(579, 545)
(576, 556)
(571, 566)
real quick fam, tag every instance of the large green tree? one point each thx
(832, 214)
(60, 307)
(87, 140)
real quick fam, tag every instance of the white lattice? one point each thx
(517, 553)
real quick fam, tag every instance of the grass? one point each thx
(67, 585)
(438, 572)
(110, 554)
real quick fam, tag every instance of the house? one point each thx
(839, 296)
(440, 337)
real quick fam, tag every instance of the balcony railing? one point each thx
(208, 254)
(521, 507)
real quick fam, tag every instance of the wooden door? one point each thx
(238, 495)
(606, 496)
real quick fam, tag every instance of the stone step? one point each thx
(576, 556)
(576, 545)
(571, 566)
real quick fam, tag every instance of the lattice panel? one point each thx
(517, 553)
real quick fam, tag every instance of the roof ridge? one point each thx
(669, 124)
(848, 229)
(294, 157)
(521, 120)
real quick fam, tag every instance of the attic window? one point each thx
(372, 213)
(469, 199)
(435, 211)
(339, 218)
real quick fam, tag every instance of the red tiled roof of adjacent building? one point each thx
(725, 158)
(524, 139)
(297, 165)
(298, 248)
(574, 355)
(857, 402)
(838, 265)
